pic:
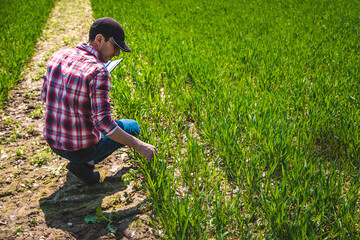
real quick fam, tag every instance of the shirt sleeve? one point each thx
(100, 102)
(44, 89)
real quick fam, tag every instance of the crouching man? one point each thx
(78, 125)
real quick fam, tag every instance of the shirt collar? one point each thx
(86, 47)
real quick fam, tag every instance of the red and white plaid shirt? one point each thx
(76, 92)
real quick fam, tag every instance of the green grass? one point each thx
(22, 22)
(254, 106)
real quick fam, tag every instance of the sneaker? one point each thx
(84, 172)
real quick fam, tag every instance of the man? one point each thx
(76, 89)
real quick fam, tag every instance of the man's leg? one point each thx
(107, 146)
(104, 148)
(82, 166)
(82, 170)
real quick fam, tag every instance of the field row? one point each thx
(254, 106)
(22, 23)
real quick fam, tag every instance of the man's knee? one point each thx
(136, 129)
(129, 125)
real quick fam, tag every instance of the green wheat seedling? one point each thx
(254, 107)
(100, 217)
(22, 22)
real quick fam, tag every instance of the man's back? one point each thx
(75, 90)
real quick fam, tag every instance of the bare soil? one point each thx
(39, 199)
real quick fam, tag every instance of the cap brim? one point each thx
(123, 46)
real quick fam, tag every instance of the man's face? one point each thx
(108, 50)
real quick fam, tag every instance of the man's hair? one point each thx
(93, 33)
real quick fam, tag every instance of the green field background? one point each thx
(21, 25)
(254, 106)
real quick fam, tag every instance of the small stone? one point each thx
(69, 224)
(129, 233)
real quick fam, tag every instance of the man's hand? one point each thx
(147, 151)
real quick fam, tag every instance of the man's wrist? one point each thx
(137, 143)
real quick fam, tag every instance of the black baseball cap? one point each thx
(110, 27)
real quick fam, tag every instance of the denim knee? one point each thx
(129, 125)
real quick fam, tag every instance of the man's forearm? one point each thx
(120, 136)
(145, 149)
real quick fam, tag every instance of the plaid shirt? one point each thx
(76, 92)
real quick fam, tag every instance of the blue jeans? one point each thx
(104, 148)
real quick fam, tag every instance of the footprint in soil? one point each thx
(66, 208)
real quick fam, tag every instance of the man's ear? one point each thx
(99, 39)
(97, 42)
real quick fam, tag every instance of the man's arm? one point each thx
(100, 106)
(44, 89)
(123, 137)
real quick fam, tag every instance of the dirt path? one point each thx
(39, 199)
